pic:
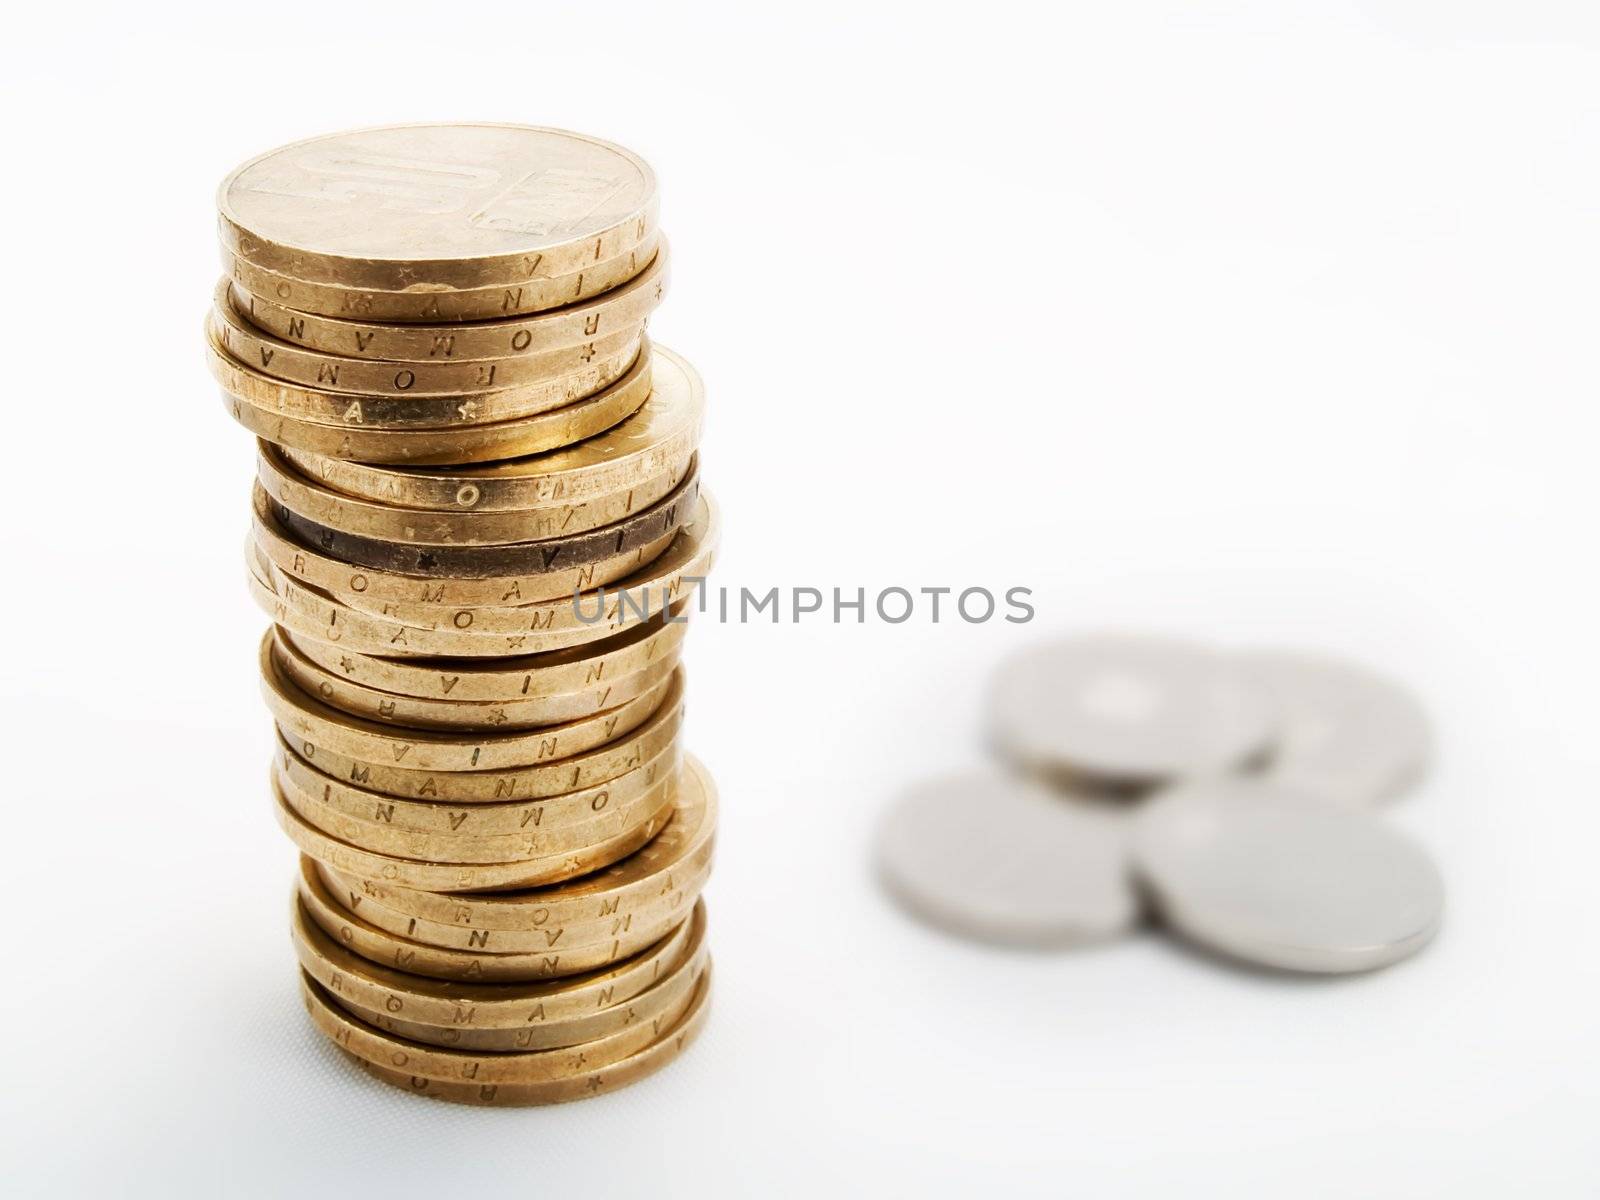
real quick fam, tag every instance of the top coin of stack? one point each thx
(436, 293)
(477, 519)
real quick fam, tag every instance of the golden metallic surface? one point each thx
(461, 444)
(667, 907)
(649, 916)
(308, 719)
(538, 712)
(297, 610)
(312, 613)
(433, 207)
(531, 676)
(547, 814)
(549, 1007)
(465, 877)
(405, 411)
(291, 490)
(677, 855)
(650, 1007)
(579, 1086)
(540, 781)
(329, 374)
(477, 525)
(274, 555)
(434, 1062)
(492, 851)
(686, 556)
(643, 527)
(528, 1016)
(441, 307)
(341, 923)
(339, 592)
(534, 712)
(395, 628)
(666, 430)
(499, 632)
(649, 808)
(565, 328)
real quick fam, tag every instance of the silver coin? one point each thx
(1000, 859)
(1253, 869)
(1126, 712)
(1345, 733)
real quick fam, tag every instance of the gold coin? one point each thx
(559, 961)
(661, 869)
(313, 613)
(437, 307)
(487, 849)
(550, 1007)
(572, 326)
(466, 877)
(686, 887)
(581, 1085)
(433, 601)
(482, 632)
(434, 1062)
(640, 897)
(412, 712)
(338, 622)
(438, 206)
(651, 1007)
(277, 560)
(308, 611)
(462, 443)
(551, 814)
(540, 781)
(536, 1004)
(491, 850)
(307, 718)
(664, 431)
(530, 676)
(409, 711)
(362, 615)
(335, 621)
(291, 490)
(643, 527)
(344, 378)
(365, 636)
(341, 409)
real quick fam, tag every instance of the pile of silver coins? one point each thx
(1229, 797)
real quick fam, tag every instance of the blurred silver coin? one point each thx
(1000, 859)
(1270, 875)
(1345, 733)
(1126, 713)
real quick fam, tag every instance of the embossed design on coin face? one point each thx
(1000, 859)
(444, 205)
(1259, 871)
(1126, 713)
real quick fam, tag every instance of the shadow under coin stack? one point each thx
(477, 527)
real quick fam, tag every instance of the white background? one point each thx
(1259, 322)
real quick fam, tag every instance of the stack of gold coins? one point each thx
(477, 526)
